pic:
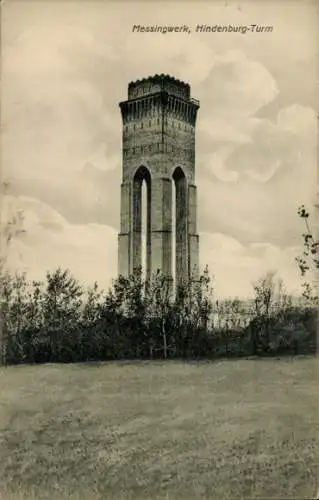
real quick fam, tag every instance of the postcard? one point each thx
(159, 250)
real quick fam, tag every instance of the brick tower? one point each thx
(159, 119)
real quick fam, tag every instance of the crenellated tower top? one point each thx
(158, 83)
(159, 94)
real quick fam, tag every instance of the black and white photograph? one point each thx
(159, 250)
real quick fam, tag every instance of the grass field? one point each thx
(228, 429)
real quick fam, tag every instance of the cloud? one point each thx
(236, 266)
(215, 164)
(49, 241)
(252, 190)
(252, 211)
(58, 118)
(89, 195)
(247, 86)
(299, 120)
(234, 91)
(288, 143)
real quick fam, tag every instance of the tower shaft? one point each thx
(159, 119)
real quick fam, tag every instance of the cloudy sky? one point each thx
(65, 67)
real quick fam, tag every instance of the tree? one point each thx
(16, 297)
(191, 314)
(11, 226)
(308, 261)
(136, 312)
(125, 313)
(34, 323)
(277, 323)
(159, 297)
(265, 290)
(200, 298)
(62, 305)
(91, 334)
(6, 304)
(230, 313)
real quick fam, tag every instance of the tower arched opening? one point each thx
(141, 241)
(180, 226)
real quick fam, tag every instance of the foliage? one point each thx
(308, 261)
(60, 321)
(11, 226)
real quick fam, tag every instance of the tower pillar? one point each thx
(161, 226)
(193, 237)
(124, 237)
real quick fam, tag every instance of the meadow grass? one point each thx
(152, 430)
